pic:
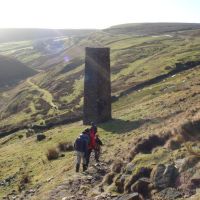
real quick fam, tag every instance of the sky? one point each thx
(94, 13)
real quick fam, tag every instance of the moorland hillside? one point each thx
(151, 146)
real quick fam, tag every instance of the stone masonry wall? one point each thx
(97, 86)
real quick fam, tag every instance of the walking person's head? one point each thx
(93, 124)
(94, 127)
(86, 131)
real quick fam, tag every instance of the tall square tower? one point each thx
(97, 86)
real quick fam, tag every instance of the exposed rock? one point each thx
(79, 184)
(183, 183)
(196, 179)
(164, 176)
(103, 197)
(129, 168)
(30, 132)
(133, 196)
(65, 146)
(7, 180)
(40, 137)
(142, 172)
(141, 186)
(167, 194)
(189, 162)
(179, 163)
(68, 198)
(49, 179)
(2, 183)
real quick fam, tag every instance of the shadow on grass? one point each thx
(119, 126)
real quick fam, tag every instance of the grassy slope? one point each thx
(153, 109)
(134, 59)
(151, 28)
(18, 34)
(150, 110)
(13, 71)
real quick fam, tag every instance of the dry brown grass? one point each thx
(117, 166)
(192, 151)
(52, 154)
(65, 146)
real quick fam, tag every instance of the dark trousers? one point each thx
(88, 157)
(97, 154)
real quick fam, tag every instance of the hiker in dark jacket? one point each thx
(85, 135)
(97, 147)
(81, 148)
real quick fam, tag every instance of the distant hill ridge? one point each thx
(151, 28)
(17, 34)
(13, 71)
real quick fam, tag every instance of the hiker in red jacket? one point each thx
(92, 144)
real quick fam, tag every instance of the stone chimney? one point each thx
(97, 86)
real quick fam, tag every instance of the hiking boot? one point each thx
(84, 167)
(77, 167)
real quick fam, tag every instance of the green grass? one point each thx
(46, 95)
(153, 109)
(77, 91)
(129, 114)
(133, 59)
(30, 156)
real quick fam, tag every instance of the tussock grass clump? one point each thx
(52, 154)
(191, 151)
(188, 130)
(20, 136)
(146, 145)
(173, 144)
(189, 162)
(117, 166)
(108, 179)
(65, 146)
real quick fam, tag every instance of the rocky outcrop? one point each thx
(164, 176)
(167, 194)
(133, 196)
